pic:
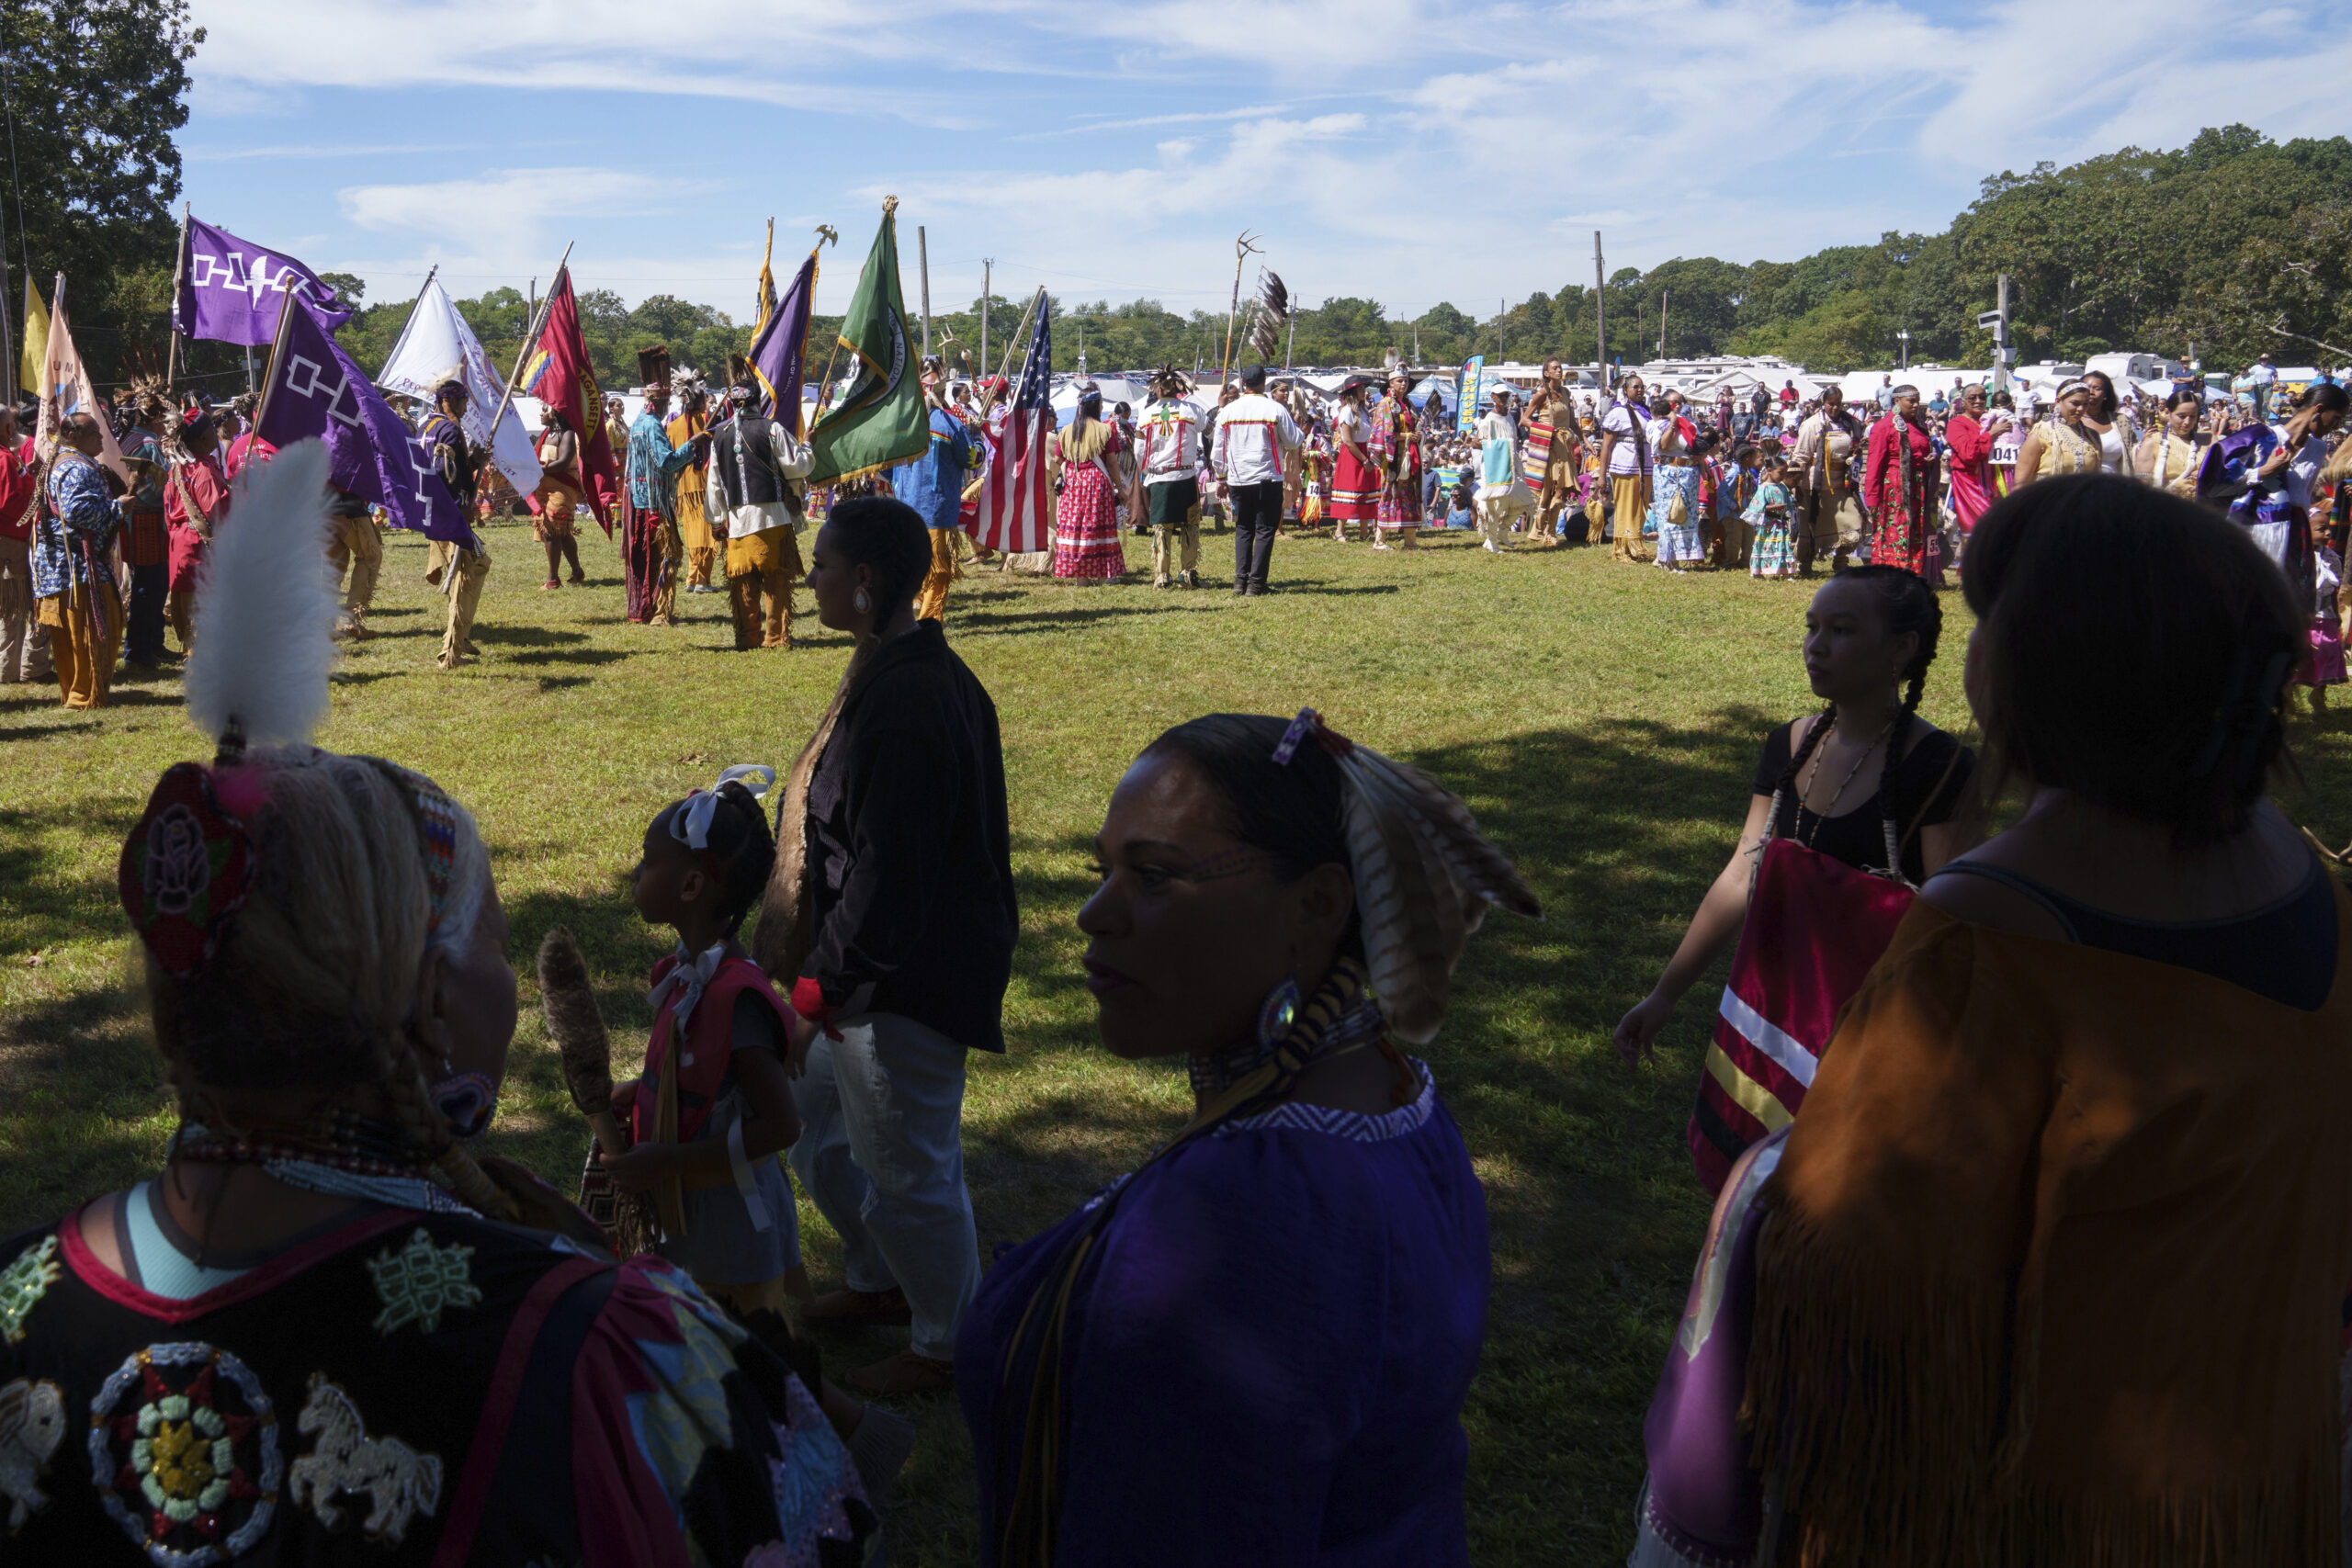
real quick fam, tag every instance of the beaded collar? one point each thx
(1213, 1074)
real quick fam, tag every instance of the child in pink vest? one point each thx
(714, 1106)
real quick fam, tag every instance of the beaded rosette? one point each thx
(185, 869)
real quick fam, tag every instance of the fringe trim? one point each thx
(1889, 1413)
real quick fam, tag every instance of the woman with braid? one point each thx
(1866, 791)
(326, 1332)
(2051, 1269)
(1255, 1349)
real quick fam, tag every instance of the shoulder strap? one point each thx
(1919, 819)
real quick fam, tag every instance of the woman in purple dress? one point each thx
(1255, 1349)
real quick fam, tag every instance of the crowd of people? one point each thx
(2033, 1214)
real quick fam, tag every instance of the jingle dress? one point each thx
(1086, 516)
(1266, 1350)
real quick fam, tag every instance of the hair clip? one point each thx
(1309, 722)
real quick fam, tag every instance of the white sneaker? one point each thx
(1492, 549)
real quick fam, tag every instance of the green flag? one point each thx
(881, 421)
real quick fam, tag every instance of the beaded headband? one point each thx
(436, 834)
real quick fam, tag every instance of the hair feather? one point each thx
(264, 614)
(1424, 875)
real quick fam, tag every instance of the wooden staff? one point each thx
(1242, 248)
(530, 336)
(179, 271)
(1019, 335)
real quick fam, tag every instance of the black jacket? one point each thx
(909, 848)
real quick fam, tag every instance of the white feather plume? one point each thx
(264, 613)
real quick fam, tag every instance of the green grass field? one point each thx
(1602, 721)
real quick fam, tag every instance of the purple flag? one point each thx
(229, 290)
(316, 390)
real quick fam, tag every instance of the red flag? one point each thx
(558, 375)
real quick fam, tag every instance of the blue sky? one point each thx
(1408, 152)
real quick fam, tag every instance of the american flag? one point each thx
(1016, 503)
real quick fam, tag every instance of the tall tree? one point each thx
(94, 91)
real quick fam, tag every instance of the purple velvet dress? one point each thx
(1267, 1350)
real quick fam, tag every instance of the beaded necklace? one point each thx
(1821, 816)
(361, 1159)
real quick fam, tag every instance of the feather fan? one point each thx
(264, 617)
(1424, 875)
(1271, 316)
(577, 1027)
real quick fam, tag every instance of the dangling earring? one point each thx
(864, 603)
(1275, 1016)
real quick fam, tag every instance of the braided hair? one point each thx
(1908, 605)
(739, 853)
(888, 535)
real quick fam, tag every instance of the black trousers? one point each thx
(151, 590)
(1256, 512)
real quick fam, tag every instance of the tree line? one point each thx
(2209, 250)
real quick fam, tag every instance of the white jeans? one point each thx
(881, 1154)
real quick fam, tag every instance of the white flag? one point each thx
(65, 388)
(435, 346)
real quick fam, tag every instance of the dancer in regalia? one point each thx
(321, 1330)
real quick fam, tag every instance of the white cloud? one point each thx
(1403, 150)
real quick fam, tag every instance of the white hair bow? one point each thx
(691, 827)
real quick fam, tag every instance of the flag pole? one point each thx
(409, 325)
(531, 335)
(923, 268)
(767, 269)
(1019, 335)
(179, 271)
(276, 342)
(825, 387)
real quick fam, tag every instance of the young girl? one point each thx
(714, 1106)
(1768, 514)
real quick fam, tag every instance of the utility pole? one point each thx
(1600, 315)
(1501, 306)
(1998, 320)
(922, 265)
(987, 275)
(1903, 336)
(1664, 295)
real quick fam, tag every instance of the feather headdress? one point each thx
(1423, 872)
(264, 621)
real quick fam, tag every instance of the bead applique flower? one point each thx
(22, 1285)
(186, 1465)
(420, 1281)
